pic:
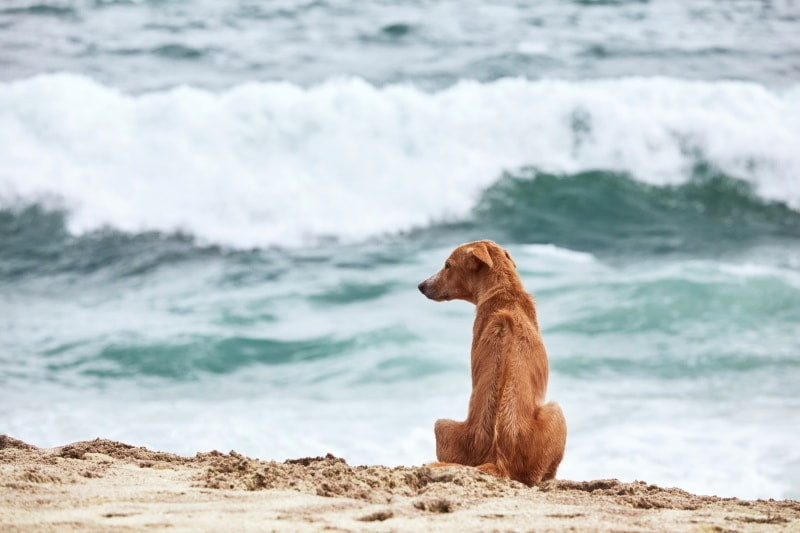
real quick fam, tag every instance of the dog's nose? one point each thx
(422, 286)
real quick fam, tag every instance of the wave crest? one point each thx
(279, 164)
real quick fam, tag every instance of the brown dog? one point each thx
(509, 430)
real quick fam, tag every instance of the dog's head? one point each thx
(466, 272)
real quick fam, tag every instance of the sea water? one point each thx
(213, 218)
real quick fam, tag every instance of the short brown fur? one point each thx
(509, 431)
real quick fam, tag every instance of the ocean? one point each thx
(214, 217)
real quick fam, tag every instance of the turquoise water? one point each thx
(213, 220)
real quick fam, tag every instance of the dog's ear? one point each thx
(481, 253)
(508, 256)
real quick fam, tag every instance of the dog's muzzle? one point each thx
(424, 287)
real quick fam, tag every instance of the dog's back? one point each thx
(509, 430)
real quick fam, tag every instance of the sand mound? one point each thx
(332, 476)
(9, 442)
(638, 494)
(101, 485)
(117, 450)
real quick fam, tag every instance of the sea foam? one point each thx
(279, 164)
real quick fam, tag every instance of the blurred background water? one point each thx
(214, 215)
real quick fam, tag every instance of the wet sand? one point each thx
(101, 485)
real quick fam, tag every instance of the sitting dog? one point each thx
(510, 431)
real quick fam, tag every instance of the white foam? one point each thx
(275, 163)
(552, 251)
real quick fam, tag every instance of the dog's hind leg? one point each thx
(450, 441)
(536, 451)
(457, 442)
(551, 431)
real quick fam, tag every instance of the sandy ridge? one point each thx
(101, 484)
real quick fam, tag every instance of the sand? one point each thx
(102, 485)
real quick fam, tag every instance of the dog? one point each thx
(509, 431)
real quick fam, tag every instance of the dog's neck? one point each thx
(504, 287)
(505, 296)
(500, 295)
(496, 293)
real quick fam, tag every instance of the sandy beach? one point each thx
(101, 484)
